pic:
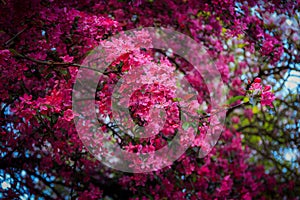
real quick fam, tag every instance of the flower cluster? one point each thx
(266, 95)
(41, 153)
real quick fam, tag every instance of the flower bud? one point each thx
(257, 80)
(267, 88)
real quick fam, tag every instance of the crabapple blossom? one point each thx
(42, 46)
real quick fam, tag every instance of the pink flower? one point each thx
(68, 115)
(248, 113)
(257, 80)
(255, 86)
(67, 58)
(26, 98)
(247, 196)
(226, 185)
(267, 88)
(267, 97)
(235, 119)
(268, 47)
(236, 82)
(43, 107)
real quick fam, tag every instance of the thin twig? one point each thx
(15, 36)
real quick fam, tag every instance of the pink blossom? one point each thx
(268, 47)
(67, 58)
(255, 86)
(235, 119)
(257, 80)
(267, 88)
(267, 98)
(38, 95)
(68, 115)
(26, 98)
(248, 113)
(246, 196)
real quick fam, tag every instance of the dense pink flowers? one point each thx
(40, 39)
(273, 48)
(67, 58)
(266, 95)
(255, 86)
(267, 98)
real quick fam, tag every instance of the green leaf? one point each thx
(255, 110)
(14, 52)
(241, 45)
(194, 178)
(185, 126)
(63, 71)
(234, 99)
(177, 99)
(48, 76)
(255, 139)
(224, 30)
(246, 100)
(149, 196)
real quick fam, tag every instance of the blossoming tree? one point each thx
(253, 44)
